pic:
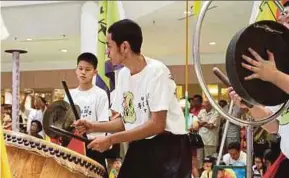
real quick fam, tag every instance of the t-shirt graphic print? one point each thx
(128, 115)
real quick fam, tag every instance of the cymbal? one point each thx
(60, 115)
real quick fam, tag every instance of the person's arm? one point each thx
(258, 112)
(281, 80)
(84, 126)
(22, 104)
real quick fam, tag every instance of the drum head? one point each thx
(58, 114)
(260, 36)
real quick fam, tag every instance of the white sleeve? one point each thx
(161, 91)
(117, 100)
(226, 159)
(102, 108)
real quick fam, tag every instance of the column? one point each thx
(89, 28)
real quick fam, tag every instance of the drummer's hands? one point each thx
(83, 126)
(262, 69)
(236, 98)
(101, 143)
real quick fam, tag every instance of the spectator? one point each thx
(235, 155)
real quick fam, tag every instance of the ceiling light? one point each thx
(187, 12)
(212, 43)
(63, 50)
(28, 39)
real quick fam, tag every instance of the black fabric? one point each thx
(283, 170)
(113, 153)
(196, 140)
(98, 157)
(166, 155)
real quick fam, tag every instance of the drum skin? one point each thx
(260, 36)
(30, 157)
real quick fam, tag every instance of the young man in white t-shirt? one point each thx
(151, 118)
(267, 71)
(235, 156)
(92, 100)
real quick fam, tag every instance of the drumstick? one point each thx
(227, 83)
(68, 134)
(70, 100)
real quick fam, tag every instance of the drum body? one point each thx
(30, 157)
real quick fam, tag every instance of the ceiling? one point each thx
(164, 34)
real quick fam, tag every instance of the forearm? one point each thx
(259, 112)
(115, 125)
(281, 80)
(148, 129)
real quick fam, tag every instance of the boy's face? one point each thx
(34, 127)
(258, 163)
(85, 72)
(208, 166)
(235, 154)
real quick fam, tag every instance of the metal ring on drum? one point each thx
(199, 74)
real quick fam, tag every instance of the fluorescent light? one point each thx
(212, 43)
(187, 12)
(63, 50)
(28, 39)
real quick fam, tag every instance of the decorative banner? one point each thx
(110, 12)
(265, 10)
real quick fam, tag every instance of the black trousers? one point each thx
(165, 155)
(98, 157)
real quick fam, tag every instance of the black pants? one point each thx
(165, 155)
(283, 170)
(98, 157)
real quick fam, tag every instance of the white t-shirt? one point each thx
(93, 105)
(150, 90)
(283, 129)
(210, 136)
(229, 161)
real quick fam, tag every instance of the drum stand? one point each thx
(15, 86)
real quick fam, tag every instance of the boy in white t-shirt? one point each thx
(151, 118)
(92, 100)
(267, 71)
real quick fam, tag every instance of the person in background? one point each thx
(258, 167)
(35, 128)
(223, 103)
(235, 155)
(208, 167)
(196, 103)
(209, 123)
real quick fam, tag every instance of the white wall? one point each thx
(71, 64)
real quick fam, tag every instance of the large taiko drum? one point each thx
(30, 157)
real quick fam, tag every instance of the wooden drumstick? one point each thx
(70, 100)
(227, 83)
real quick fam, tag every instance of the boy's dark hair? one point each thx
(222, 102)
(39, 125)
(286, 4)
(127, 30)
(88, 57)
(199, 97)
(234, 145)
